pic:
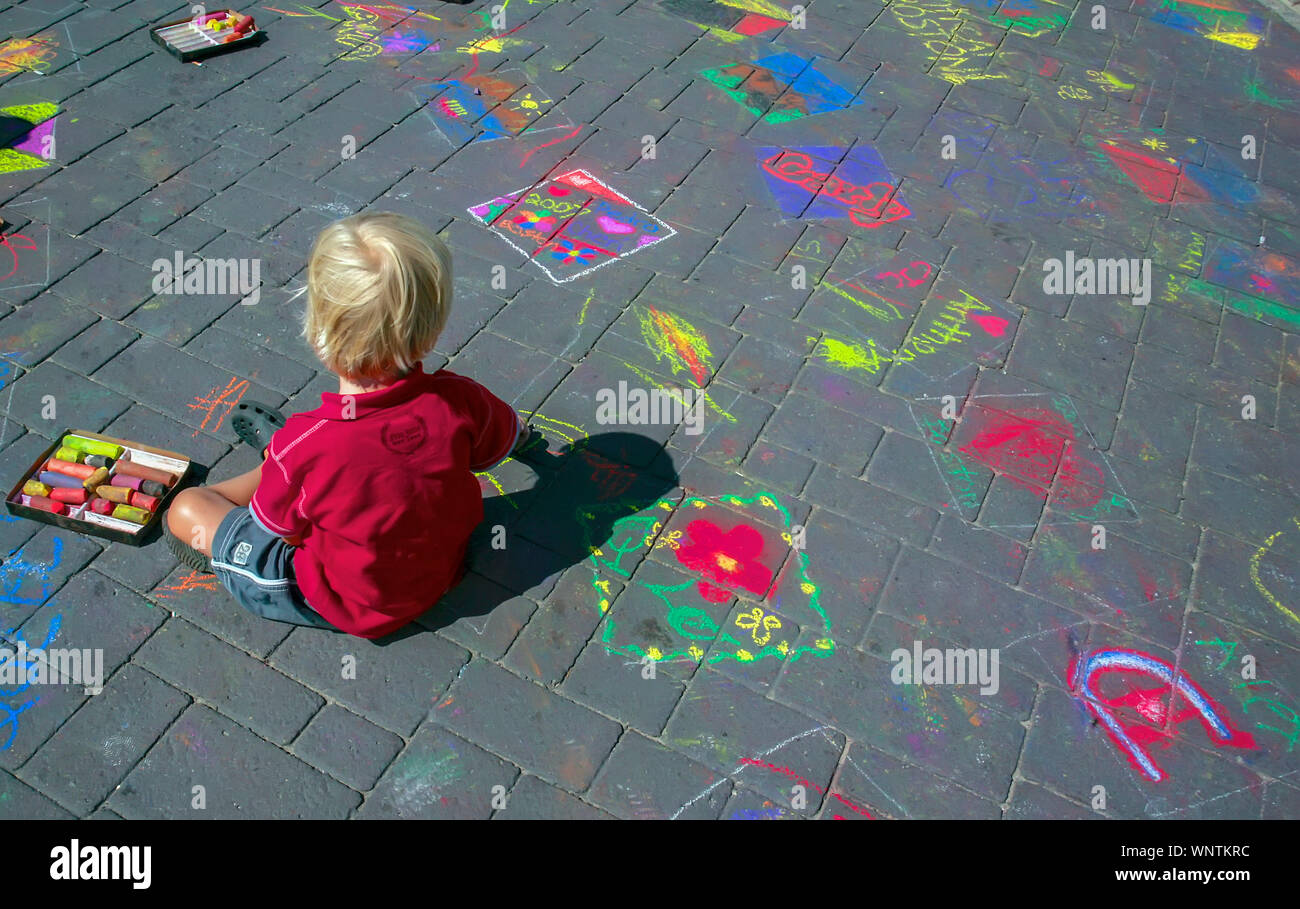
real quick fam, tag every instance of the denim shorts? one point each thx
(256, 566)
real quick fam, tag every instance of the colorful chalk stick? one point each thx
(121, 479)
(134, 515)
(98, 478)
(148, 503)
(131, 469)
(70, 455)
(61, 480)
(35, 488)
(97, 460)
(102, 506)
(119, 494)
(93, 446)
(70, 469)
(70, 496)
(49, 505)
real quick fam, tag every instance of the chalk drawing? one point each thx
(26, 54)
(957, 55)
(807, 183)
(29, 150)
(15, 244)
(218, 403)
(1156, 705)
(985, 325)
(683, 348)
(730, 20)
(800, 781)
(1037, 442)
(1256, 272)
(1018, 188)
(486, 107)
(731, 552)
(571, 224)
(16, 570)
(781, 87)
(1273, 599)
(9, 711)
(572, 435)
(1244, 687)
(1219, 20)
(191, 581)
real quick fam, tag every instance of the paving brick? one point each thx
(532, 799)
(347, 747)
(802, 424)
(396, 684)
(616, 685)
(1126, 582)
(1033, 802)
(564, 742)
(1072, 359)
(896, 789)
(91, 753)
(480, 615)
(644, 780)
(557, 632)
(266, 701)
(107, 284)
(32, 333)
(749, 727)
(852, 692)
(241, 776)
(202, 400)
(18, 801)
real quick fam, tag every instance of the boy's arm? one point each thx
(274, 503)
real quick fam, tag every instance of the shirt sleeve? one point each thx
(275, 502)
(496, 426)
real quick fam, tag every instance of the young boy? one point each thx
(359, 517)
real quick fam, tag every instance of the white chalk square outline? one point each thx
(532, 257)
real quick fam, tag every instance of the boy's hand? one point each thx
(528, 437)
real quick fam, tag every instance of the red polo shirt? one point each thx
(380, 490)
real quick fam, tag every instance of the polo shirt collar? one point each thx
(333, 405)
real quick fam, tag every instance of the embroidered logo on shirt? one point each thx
(241, 553)
(404, 435)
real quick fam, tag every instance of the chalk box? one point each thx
(185, 56)
(105, 526)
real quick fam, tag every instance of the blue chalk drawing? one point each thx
(15, 571)
(9, 712)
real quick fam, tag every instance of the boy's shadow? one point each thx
(578, 496)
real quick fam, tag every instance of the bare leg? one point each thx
(196, 512)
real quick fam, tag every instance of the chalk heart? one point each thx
(557, 190)
(991, 324)
(611, 226)
(647, 239)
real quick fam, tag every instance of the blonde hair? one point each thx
(378, 294)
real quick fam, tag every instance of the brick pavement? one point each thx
(833, 220)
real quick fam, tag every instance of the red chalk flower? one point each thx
(730, 558)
